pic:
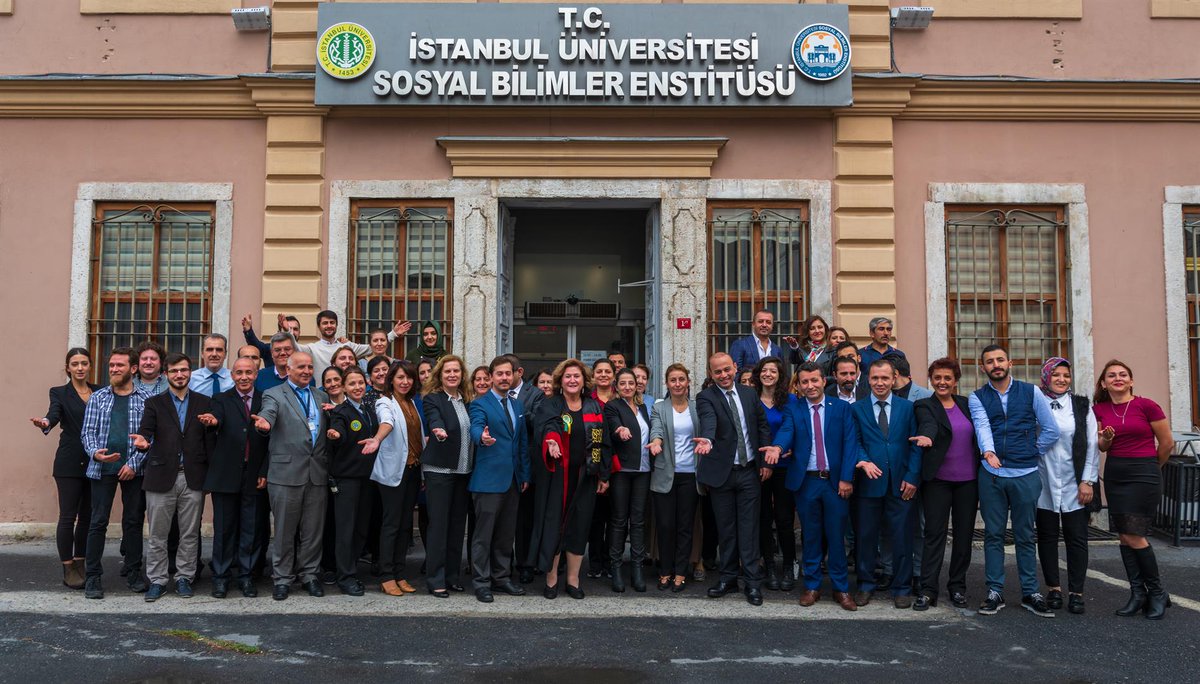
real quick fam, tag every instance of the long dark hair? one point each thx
(779, 394)
(808, 324)
(410, 369)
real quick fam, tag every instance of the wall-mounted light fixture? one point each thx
(911, 17)
(252, 19)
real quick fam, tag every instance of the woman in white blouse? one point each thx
(1068, 470)
(397, 471)
(673, 424)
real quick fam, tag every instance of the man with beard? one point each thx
(1014, 428)
(845, 384)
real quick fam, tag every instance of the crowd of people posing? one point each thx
(319, 461)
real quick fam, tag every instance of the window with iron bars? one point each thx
(1006, 283)
(400, 268)
(151, 278)
(759, 259)
(1191, 266)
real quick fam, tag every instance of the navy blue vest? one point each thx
(1014, 434)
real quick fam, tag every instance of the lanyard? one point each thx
(305, 405)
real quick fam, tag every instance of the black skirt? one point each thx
(1133, 488)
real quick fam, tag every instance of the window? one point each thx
(399, 261)
(760, 260)
(1006, 281)
(1191, 270)
(151, 277)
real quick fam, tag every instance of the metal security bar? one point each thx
(1191, 266)
(400, 256)
(151, 278)
(759, 259)
(1006, 281)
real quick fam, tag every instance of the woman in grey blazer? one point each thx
(673, 487)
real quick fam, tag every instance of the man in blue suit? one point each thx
(501, 473)
(887, 482)
(748, 350)
(824, 484)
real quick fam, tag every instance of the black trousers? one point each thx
(674, 519)
(133, 514)
(237, 542)
(492, 541)
(778, 508)
(598, 550)
(944, 502)
(525, 506)
(447, 499)
(1075, 537)
(74, 516)
(329, 536)
(630, 492)
(353, 519)
(736, 509)
(262, 527)
(396, 528)
(708, 528)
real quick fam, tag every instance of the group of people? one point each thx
(339, 445)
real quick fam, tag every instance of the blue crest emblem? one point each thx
(821, 52)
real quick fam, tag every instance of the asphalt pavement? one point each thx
(51, 633)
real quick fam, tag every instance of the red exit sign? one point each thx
(683, 324)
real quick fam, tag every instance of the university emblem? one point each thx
(346, 50)
(821, 52)
(355, 425)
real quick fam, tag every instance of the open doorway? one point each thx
(562, 266)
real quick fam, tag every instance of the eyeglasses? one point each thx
(178, 371)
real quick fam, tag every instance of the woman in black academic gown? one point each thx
(574, 465)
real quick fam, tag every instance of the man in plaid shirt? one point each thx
(112, 416)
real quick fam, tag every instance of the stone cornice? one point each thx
(502, 157)
(905, 96)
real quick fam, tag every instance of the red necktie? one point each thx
(819, 438)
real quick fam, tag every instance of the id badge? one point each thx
(312, 426)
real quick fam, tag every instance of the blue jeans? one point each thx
(998, 497)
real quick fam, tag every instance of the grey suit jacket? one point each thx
(294, 458)
(662, 426)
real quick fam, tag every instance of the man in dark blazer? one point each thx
(297, 475)
(747, 351)
(501, 473)
(237, 480)
(176, 465)
(847, 384)
(734, 442)
(889, 473)
(822, 478)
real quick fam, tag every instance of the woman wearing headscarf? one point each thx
(431, 344)
(1068, 472)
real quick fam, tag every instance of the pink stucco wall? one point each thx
(51, 36)
(42, 164)
(1116, 39)
(1124, 168)
(406, 148)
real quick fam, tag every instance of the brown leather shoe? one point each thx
(862, 598)
(844, 601)
(809, 597)
(405, 586)
(902, 601)
(391, 588)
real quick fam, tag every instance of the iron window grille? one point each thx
(1191, 266)
(1006, 281)
(758, 259)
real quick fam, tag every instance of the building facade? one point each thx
(1014, 172)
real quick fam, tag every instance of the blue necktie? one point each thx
(216, 385)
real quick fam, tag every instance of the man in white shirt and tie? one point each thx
(214, 377)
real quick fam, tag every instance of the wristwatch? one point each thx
(1088, 483)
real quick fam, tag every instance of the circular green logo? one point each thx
(346, 50)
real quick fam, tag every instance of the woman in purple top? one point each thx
(778, 504)
(1137, 438)
(949, 490)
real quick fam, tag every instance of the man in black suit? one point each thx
(734, 442)
(529, 395)
(174, 477)
(237, 480)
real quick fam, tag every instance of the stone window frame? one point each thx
(1179, 371)
(89, 194)
(1070, 195)
(682, 203)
